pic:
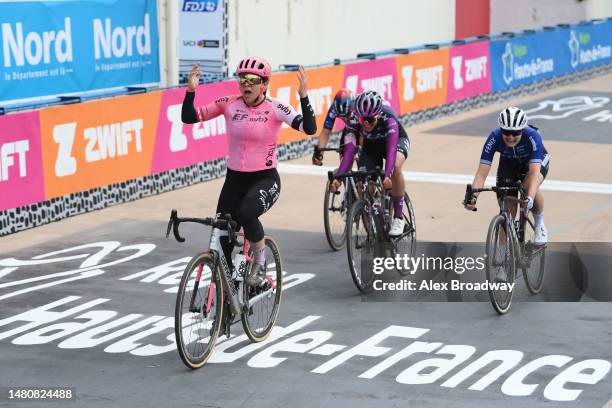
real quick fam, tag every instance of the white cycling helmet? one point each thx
(512, 118)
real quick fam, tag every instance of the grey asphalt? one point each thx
(576, 116)
(324, 311)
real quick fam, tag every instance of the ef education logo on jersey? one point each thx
(208, 6)
(239, 117)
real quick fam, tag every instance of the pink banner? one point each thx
(469, 71)
(178, 145)
(378, 75)
(21, 176)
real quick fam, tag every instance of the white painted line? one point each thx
(446, 178)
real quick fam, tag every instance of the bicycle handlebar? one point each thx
(469, 191)
(224, 223)
(356, 174)
(331, 149)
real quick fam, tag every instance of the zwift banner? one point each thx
(61, 47)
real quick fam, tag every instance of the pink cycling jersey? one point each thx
(252, 131)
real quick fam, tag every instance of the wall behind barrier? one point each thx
(310, 31)
(60, 47)
(63, 150)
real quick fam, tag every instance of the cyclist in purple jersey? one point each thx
(341, 108)
(381, 136)
(253, 120)
(522, 157)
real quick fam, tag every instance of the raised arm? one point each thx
(191, 114)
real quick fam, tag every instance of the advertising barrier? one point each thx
(469, 73)
(98, 143)
(422, 80)
(322, 86)
(21, 176)
(378, 75)
(177, 144)
(60, 47)
(74, 148)
(526, 59)
(587, 45)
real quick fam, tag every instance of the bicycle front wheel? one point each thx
(335, 209)
(264, 302)
(500, 265)
(199, 313)
(361, 241)
(405, 244)
(535, 259)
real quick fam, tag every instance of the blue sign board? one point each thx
(59, 47)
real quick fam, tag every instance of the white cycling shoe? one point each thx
(397, 227)
(541, 235)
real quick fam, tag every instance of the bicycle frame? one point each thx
(236, 300)
(229, 276)
(516, 228)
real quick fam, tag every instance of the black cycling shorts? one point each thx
(510, 171)
(373, 154)
(246, 196)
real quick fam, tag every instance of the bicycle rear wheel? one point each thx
(405, 244)
(535, 257)
(360, 247)
(335, 210)
(199, 311)
(500, 264)
(264, 302)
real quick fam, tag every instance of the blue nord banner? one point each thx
(525, 59)
(59, 47)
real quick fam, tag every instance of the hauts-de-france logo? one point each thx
(512, 51)
(583, 51)
(514, 69)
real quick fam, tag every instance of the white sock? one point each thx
(539, 219)
(260, 257)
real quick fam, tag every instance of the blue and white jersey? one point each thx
(530, 149)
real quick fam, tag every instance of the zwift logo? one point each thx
(35, 47)
(514, 70)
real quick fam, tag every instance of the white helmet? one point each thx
(512, 118)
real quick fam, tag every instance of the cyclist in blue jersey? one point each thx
(381, 137)
(341, 108)
(522, 157)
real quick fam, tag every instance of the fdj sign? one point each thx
(200, 5)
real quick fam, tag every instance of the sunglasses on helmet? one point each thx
(514, 133)
(250, 79)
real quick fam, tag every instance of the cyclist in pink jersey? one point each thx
(253, 120)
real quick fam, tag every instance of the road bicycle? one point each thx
(336, 207)
(213, 295)
(369, 222)
(510, 245)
